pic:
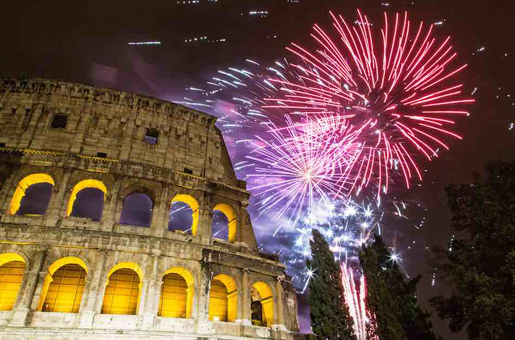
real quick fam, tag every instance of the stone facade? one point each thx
(104, 140)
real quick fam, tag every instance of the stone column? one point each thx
(27, 295)
(28, 131)
(108, 214)
(160, 213)
(152, 294)
(92, 291)
(279, 319)
(126, 144)
(204, 228)
(80, 130)
(245, 303)
(203, 324)
(55, 206)
(6, 195)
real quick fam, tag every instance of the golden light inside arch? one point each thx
(267, 301)
(232, 219)
(88, 183)
(223, 304)
(170, 304)
(11, 277)
(49, 277)
(28, 181)
(194, 206)
(118, 299)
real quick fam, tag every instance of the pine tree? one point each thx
(415, 322)
(329, 314)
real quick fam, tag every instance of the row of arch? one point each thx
(33, 194)
(66, 278)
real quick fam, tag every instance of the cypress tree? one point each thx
(329, 314)
(380, 301)
(415, 322)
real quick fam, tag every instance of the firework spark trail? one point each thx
(354, 114)
(302, 164)
(355, 301)
(396, 95)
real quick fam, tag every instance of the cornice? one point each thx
(165, 172)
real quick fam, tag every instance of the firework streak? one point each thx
(363, 108)
(355, 301)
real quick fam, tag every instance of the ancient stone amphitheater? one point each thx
(76, 262)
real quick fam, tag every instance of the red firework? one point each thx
(400, 97)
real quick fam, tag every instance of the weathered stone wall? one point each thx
(114, 123)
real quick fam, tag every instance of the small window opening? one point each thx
(151, 136)
(13, 111)
(2, 145)
(188, 171)
(101, 154)
(59, 121)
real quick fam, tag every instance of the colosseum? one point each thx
(89, 249)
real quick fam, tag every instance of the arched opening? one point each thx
(63, 286)
(12, 269)
(176, 299)
(137, 210)
(262, 305)
(184, 214)
(224, 222)
(87, 199)
(32, 195)
(123, 287)
(223, 299)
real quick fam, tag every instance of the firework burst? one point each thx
(398, 96)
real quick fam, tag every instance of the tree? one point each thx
(479, 264)
(415, 322)
(380, 302)
(329, 314)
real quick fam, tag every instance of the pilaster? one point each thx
(92, 291)
(108, 218)
(28, 298)
(55, 206)
(6, 195)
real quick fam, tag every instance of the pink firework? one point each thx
(396, 90)
(355, 301)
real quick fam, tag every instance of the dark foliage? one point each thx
(392, 298)
(329, 315)
(479, 265)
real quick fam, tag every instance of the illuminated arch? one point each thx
(193, 204)
(262, 293)
(10, 257)
(223, 298)
(88, 183)
(123, 288)
(12, 270)
(19, 193)
(232, 219)
(176, 299)
(64, 294)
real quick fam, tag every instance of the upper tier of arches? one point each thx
(138, 206)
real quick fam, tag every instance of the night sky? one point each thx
(88, 42)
